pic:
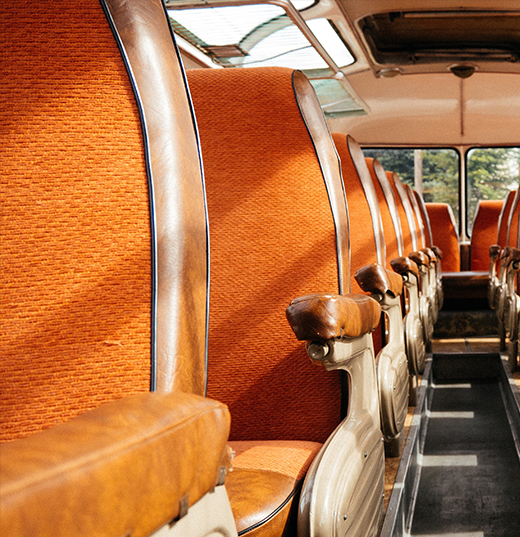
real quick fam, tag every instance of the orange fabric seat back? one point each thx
(103, 258)
(71, 279)
(391, 240)
(418, 219)
(272, 239)
(484, 232)
(445, 235)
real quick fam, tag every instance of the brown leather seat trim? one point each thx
(430, 253)
(426, 220)
(377, 279)
(391, 202)
(331, 168)
(180, 253)
(494, 250)
(257, 497)
(324, 316)
(464, 276)
(420, 258)
(365, 179)
(437, 251)
(404, 265)
(120, 469)
(407, 209)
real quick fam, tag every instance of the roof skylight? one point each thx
(258, 35)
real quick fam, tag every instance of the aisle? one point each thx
(470, 479)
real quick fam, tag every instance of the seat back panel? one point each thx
(445, 234)
(75, 319)
(272, 239)
(484, 232)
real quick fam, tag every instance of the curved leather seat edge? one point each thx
(177, 196)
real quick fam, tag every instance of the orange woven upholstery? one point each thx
(484, 232)
(272, 239)
(291, 459)
(75, 233)
(362, 241)
(445, 235)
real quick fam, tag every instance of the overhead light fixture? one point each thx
(462, 70)
(389, 72)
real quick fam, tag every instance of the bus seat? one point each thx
(433, 252)
(505, 299)
(420, 208)
(503, 219)
(484, 233)
(368, 248)
(445, 234)
(409, 233)
(279, 237)
(495, 249)
(474, 283)
(426, 219)
(419, 223)
(416, 334)
(104, 278)
(388, 210)
(425, 259)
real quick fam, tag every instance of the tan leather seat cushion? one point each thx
(265, 483)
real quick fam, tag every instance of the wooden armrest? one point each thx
(376, 279)
(125, 468)
(420, 258)
(324, 316)
(404, 265)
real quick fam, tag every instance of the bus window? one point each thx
(491, 173)
(432, 172)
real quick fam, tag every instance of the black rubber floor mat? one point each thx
(470, 480)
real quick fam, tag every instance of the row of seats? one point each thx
(466, 266)
(504, 263)
(145, 278)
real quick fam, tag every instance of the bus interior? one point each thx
(197, 194)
